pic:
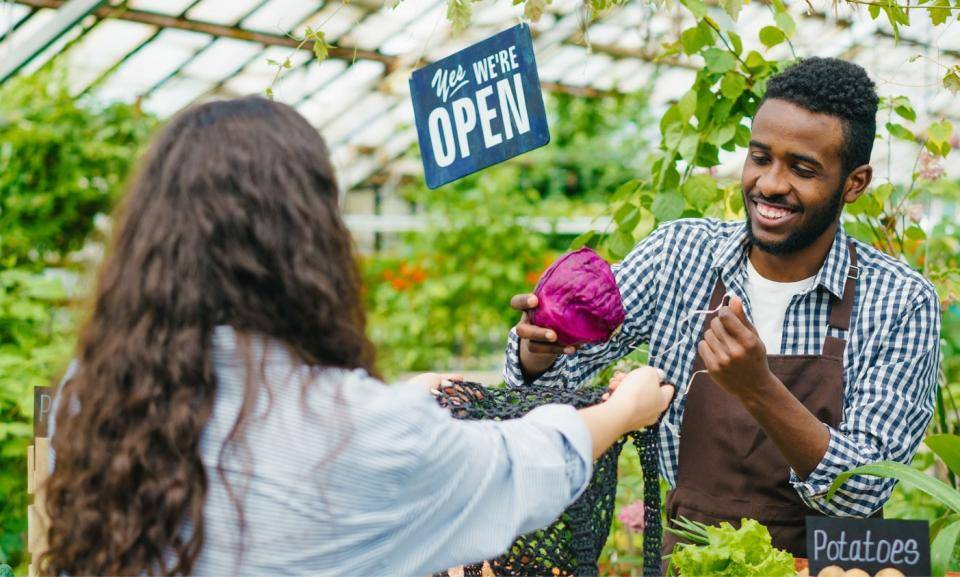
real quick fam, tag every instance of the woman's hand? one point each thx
(635, 400)
(432, 381)
(642, 395)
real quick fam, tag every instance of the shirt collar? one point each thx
(731, 258)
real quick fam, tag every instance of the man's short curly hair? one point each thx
(837, 88)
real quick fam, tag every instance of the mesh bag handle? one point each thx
(572, 544)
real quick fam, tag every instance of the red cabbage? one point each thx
(579, 299)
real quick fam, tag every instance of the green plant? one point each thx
(726, 550)
(35, 341)
(945, 531)
(62, 163)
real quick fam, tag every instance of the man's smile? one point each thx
(771, 216)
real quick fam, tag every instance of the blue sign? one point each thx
(479, 106)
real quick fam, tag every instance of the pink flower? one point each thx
(632, 516)
(930, 168)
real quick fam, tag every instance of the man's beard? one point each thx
(819, 221)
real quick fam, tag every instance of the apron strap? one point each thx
(841, 310)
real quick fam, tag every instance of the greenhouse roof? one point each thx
(167, 54)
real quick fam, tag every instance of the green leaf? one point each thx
(743, 136)
(914, 232)
(627, 217)
(621, 243)
(718, 60)
(534, 9)
(947, 447)
(939, 12)
(940, 132)
(882, 193)
(733, 85)
(320, 47)
(671, 138)
(755, 61)
(874, 10)
(724, 134)
(771, 36)
(670, 117)
(667, 205)
(696, 7)
(936, 488)
(687, 105)
(582, 240)
(688, 145)
(736, 41)
(900, 131)
(952, 80)
(628, 188)
(695, 38)
(903, 108)
(700, 190)
(786, 23)
(732, 7)
(941, 550)
(459, 13)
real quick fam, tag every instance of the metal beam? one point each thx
(68, 15)
(166, 21)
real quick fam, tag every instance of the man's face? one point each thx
(792, 177)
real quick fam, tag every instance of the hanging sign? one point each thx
(869, 544)
(479, 106)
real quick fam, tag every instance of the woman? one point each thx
(225, 417)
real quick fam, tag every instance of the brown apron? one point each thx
(728, 468)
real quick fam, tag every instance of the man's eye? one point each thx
(759, 159)
(804, 173)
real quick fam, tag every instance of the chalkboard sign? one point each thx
(479, 106)
(42, 405)
(868, 544)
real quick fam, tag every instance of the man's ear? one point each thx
(857, 182)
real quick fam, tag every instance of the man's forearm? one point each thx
(532, 365)
(800, 436)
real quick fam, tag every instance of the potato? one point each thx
(831, 571)
(888, 572)
(805, 572)
(856, 573)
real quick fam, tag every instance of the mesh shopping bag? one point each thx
(572, 544)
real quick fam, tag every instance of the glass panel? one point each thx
(225, 12)
(223, 57)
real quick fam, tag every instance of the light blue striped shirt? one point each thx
(890, 362)
(370, 479)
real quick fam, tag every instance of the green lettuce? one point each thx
(742, 552)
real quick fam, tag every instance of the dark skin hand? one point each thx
(737, 361)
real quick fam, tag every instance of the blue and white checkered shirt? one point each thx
(890, 363)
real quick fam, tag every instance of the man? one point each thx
(826, 356)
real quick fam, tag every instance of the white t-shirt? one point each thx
(768, 304)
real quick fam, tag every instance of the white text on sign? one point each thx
(449, 128)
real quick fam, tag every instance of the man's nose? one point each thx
(774, 180)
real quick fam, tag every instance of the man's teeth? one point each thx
(771, 212)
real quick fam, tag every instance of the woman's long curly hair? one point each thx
(233, 219)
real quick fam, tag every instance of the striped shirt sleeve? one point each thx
(887, 409)
(638, 278)
(475, 486)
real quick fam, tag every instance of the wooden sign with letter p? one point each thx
(868, 544)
